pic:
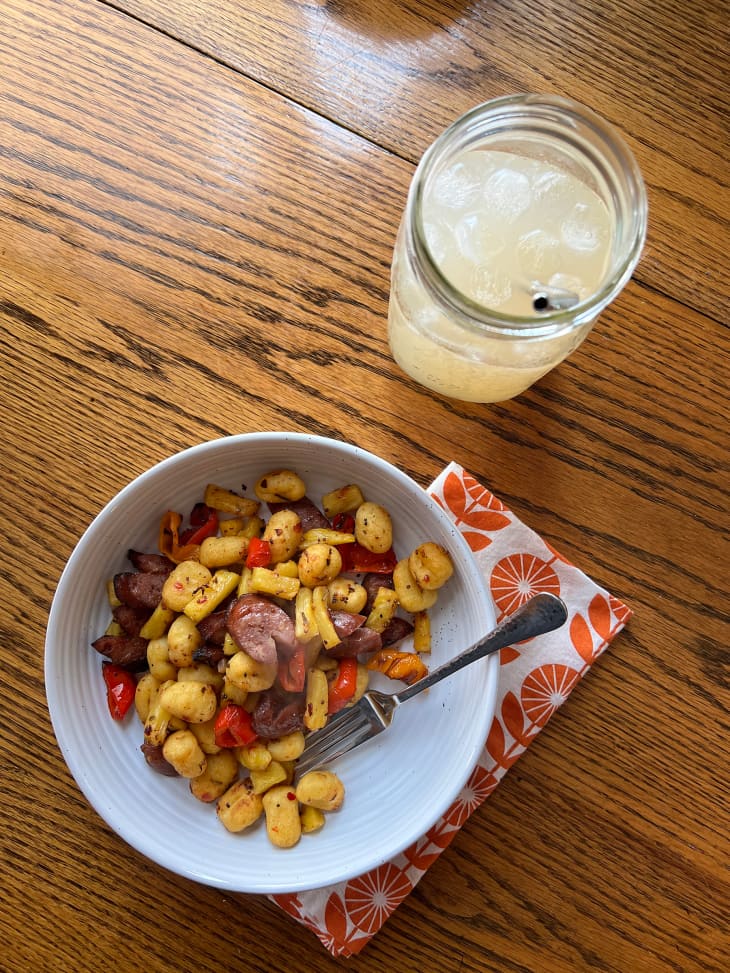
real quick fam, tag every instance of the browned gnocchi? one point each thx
(321, 789)
(373, 527)
(431, 566)
(283, 533)
(319, 564)
(280, 485)
(259, 632)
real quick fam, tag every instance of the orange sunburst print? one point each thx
(480, 786)
(518, 577)
(372, 897)
(545, 689)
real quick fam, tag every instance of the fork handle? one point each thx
(542, 613)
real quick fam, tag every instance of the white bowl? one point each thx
(396, 786)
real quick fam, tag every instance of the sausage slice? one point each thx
(260, 628)
(139, 589)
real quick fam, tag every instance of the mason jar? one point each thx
(524, 219)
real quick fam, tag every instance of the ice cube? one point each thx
(455, 187)
(548, 182)
(507, 193)
(438, 240)
(475, 238)
(581, 233)
(537, 254)
(569, 282)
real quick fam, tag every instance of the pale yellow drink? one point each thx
(501, 227)
(524, 220)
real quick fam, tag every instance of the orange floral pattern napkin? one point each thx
(532, 685)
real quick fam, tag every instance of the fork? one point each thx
(374, 712)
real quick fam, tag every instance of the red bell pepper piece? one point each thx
(357, 558)
(291, 672)
(120, 689)
(203, 523)
(344, 523)
(258, 554)
(342, 689)
(233, 727)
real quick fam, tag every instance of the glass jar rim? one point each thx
(564, 120)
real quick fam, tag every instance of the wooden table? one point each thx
(198, 203)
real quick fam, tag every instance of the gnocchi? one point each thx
(183, 638)
(182, 583)
(238, 807)
(373, 527)
(431, 566)
(283, 824)
(321, 789)
(158, 659)
(221, 552)
(287, 747)
(193, 702)
(347, 595)
(343, 500)
(319, 564)
(144, 695)
(283, 533)
(220, 771)
(208, 681)
(411, 595)
(280, 485)
(249, 674)
(183, 751)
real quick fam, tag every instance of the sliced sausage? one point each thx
(371, 583)
(278, 713)
(308, 512)
(130, 619)
(125, 650)
(155, 758)
(213, 627)
(139, 589)
(345, 622)
(363, 641)
(210, 654)
(261, 628)
(150, 563)
(398, 628)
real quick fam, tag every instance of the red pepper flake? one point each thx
(291, 795)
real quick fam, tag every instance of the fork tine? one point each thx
(336, 738)
(373, 713)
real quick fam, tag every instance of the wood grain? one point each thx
(398, 72)
(187, 254)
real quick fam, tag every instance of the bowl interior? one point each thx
(396, 786)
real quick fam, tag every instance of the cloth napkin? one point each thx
(532, 685)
